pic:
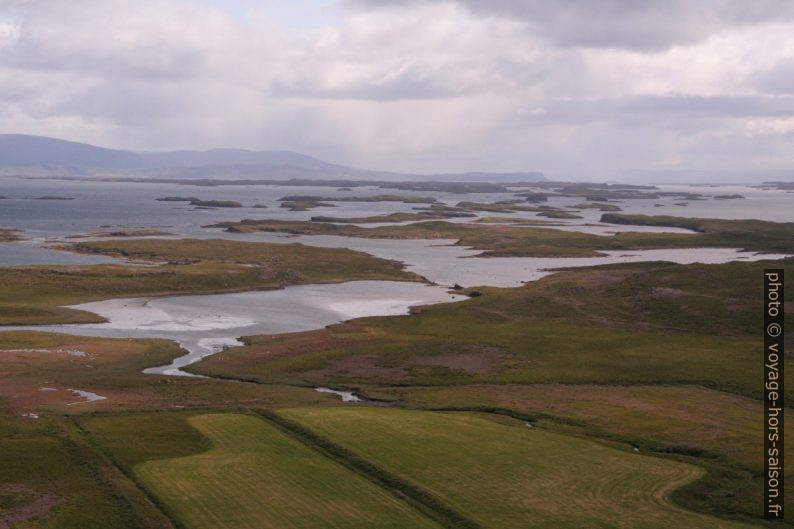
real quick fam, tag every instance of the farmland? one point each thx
(256, 476)
(650, 354)
(233, 470)
(640, 377)
(504, 475)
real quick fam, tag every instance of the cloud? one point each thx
(116, 38)
(649, 25)
(779, 79)
(585, 89)
(663, 110)
(431, 52)
(9, 33)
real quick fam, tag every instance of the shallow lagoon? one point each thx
(31, 252)
(206, 324)
(441, 261)
(125, 205)
(99, 206)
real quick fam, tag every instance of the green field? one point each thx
(507, 476)
(657, 356)
(716, 431)
(255, 476)
(666, 357)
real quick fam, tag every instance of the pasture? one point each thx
(257, 477)
(504, 475)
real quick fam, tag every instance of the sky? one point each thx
(585, 89)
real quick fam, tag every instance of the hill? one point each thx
(23, 155)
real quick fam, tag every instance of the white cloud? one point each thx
(421, 86)
(648, 25)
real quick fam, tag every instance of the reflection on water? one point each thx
(87, 395)
(346, 396)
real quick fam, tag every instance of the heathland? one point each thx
(614, 396)
(660, 356)
(522, 241)
(35, 294)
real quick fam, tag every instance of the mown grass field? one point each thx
(46, 457)
(658, 355)
(658, 418)
(504, 475)
(34, 294)
(717, 431)
(255, 476)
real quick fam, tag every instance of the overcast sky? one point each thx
(587, 88)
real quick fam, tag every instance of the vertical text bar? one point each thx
(773, 394)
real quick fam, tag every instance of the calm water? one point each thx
(31, 252)
(205, 324)
(105, 205)
(102, 205)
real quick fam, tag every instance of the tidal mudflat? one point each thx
(612, 332)
(205, 324)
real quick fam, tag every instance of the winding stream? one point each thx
(207, 324)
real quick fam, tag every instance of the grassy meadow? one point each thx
(640, 382)
(82, 489)
(716, 431)
(256, 476)
(505, 475)
(655, 355)
(48, 460)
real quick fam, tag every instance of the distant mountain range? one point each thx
(42, 156)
